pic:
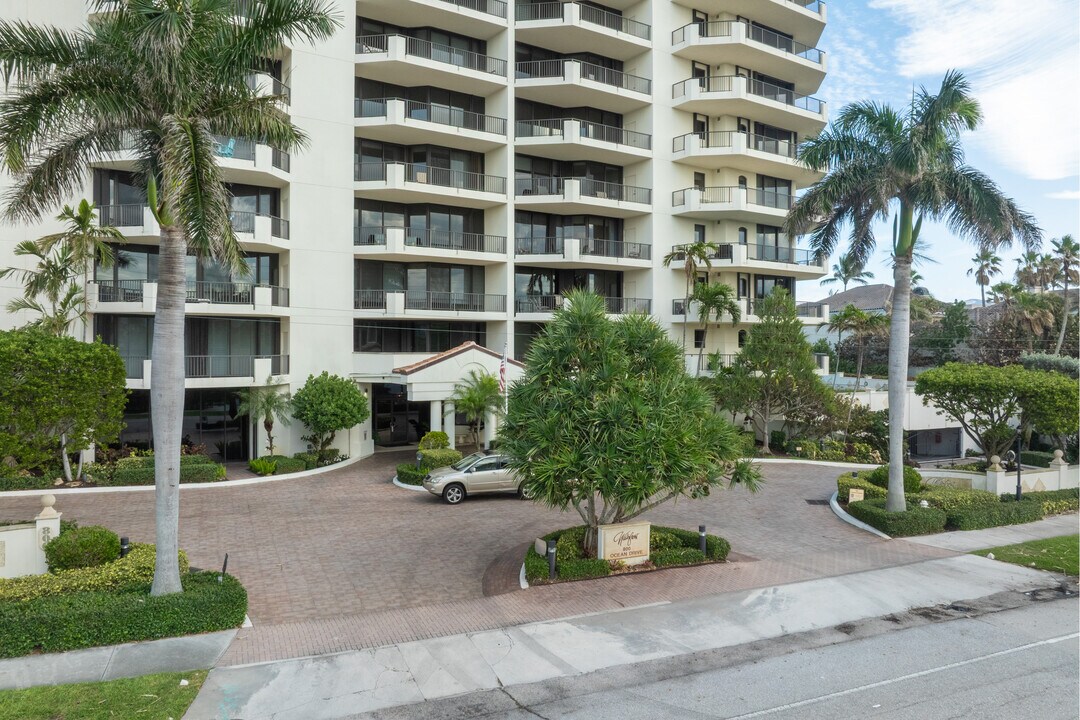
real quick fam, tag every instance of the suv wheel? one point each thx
(454, 494)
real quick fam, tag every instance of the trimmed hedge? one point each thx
(435, 440)
(432, 459)
(90, 619)
(880, 477)
(1003, 513)
(83, 547)
(1053, 502)
(25, 482)
(409, 474)
(847, 481)
(134, 568)
(147, 461)
(310, 459)
(286, 464)
(677, 556)
(1038, 458)
(915, 520)
(191, 473)
(953, 499)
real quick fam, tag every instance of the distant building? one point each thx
(873, 299)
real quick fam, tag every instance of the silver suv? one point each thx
(481, 472)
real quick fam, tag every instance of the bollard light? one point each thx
(1018, 489)
(551, 559)
(125, 547)
(701, 539)
(419, 459)
(224, 566)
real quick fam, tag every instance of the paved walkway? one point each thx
(968, 540)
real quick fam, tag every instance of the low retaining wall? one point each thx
(22, 546)
(1055, 477)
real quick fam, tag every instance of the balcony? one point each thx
(399, 243)
(808, 314)
(574, 83)
(408, 122)
(742, 97)
(572, 139)
(265, 84)
(429, 304)
(416, 183)
(570, 195)
(214, 371)
(568, 27)
(728, 202)
(134, 220)
(260, 231)
(806, 17)
(246, 161)
(398, 58)
(755, 154)
(237, 298)
(540, 307)
(475, 18)
(574, 252)
(800, 263)
(738, 43)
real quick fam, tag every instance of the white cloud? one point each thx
(1024, 63)
(1064, 195)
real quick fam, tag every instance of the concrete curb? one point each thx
(819, 463)
(406, 486)
(193, 652)
(185, 486)
(839, 512)
(521, 578)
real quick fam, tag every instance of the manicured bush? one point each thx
(777, 439)
(663, 541)
(915, 520)
(285, 464)
(1037, 458)
(579, 568)
(880, 477)
(262, 466)
(536, 567)
(84, 547)
(191, 473)
(677, 556)
(310, 459)
(88, 619)
(135, 567)
(435, 440)
(832, 450)
(432, 459)
(568, 545)
(25, 482)
(847, 481)
(953, 499)
(1054, 502)
(1003, 513)
(147, 461)
(409, 474)
(716, 547)
(1063, 364)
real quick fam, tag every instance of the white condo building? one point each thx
(470, 161)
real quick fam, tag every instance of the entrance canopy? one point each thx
(434, 377)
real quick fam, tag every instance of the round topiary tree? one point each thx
(880, 477)
(82, 547)
(326, 404)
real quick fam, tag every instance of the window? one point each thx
(742, 236)
(699, 180)
(744, 285)
(773, 192)
(418, 278)
(374, 336)
(699, 233)
(765, 284)
(699, 339)
(486, 465)
(742, 338)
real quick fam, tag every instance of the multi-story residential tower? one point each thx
(470, 161)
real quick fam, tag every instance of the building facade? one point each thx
(501, 155)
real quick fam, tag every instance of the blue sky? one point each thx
(1023, 60)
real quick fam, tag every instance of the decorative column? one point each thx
(436, 415)
(448, 425)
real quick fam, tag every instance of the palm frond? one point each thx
(29, 52)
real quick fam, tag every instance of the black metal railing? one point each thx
(120, 291)
(614, 191)
(755, 33)
(616, 249)
(782, 254)
(280, 159)
(586, 71)
(369, 235)
(279, 296)
(234, 148)
(537, 303)
(454, 301)
(133, 366)
(538, 245)
(488, 7)
(224, 293)
(447, 240)
(243, 221)
(616, 135)
(454, 117)
(129, 215)
(369, 299)
(279, 227)
(727, 139)
(526, 12)
(219, 366)
(734, 193)
(370, 171)
(760, 88)
(625, 306)
(539, 128)
(809, 311)
(436, 52)
(428, 175)
(538, 185)
(370, 107)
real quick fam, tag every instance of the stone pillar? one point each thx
(47, 527)
(436, 415)
(489, 429)
(448, 423)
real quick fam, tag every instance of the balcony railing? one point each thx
(243, 221)
(225, 293)
(616, 249)
(782, 254)
(488, 7)
(525, 12)
(808, 310)
(428, 175)
(727, 138)
(277, 87)
(543, 185)
(734, 193)
(369, 299)
(594, 131)
(539, 245)
(755, 33)
(537, 303)
(219, 366)
(760, 88)
(233, 148)
(280, 159)
(625, 306)
(446, 240)
(129, 215)
(436, 52)
(120, 291)
(369, 235)
(586, 71)
(454, 117)
(279, 296)
(455, 301)
(133, 366)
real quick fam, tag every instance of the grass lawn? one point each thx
(152, 697)
(1060, 554)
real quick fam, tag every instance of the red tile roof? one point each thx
(447, 354)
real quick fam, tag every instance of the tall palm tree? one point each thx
(170, 75)
(476, 397)
(987, 265)
(268, 404)
(847, 270)
(1033, 316)
(714, 300)
(841, 322)
(695, 255)
(48, 289)
(1068, 252)
(1027, 270)
(864, 325)
(881, 162)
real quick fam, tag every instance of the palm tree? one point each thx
(1068, 251)
(477, 397)
(1027, 270)
(864, 325)
(841, 322)
(880, 161)
(847, 270)
(694, 255)
(48, 288)
(267, 403)
(170, 75)
(1033, 316)
(713, 301)
(987, 265)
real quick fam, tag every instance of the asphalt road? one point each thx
(1020, 663)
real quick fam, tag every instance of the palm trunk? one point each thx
(1064, 314)
(701, 350)
(167, 406)
(982, 293)
(898, 368)
(268, 425)
(858, 376)
(836, 370)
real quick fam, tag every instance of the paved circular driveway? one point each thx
(350, 542)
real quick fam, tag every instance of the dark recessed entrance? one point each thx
(398, 421)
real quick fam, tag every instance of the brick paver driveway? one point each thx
(350, 544)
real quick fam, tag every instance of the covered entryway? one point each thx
(935, 444)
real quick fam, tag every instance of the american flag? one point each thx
(502, 371)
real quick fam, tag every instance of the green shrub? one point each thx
(1053, 502)
(1063, 364)
(953, 499)
(536, 567)
(1037, 458)
(847, 481)
(262, 466)
(310, 459)
(147, 461)
(659, 540)
(1004, 513)
(579, 568)
(677, 556)
(435, 440)
(568, 545)
(135, 567)
(409, 474)
(914, 521)
(84, 547)
(880, 477)
(432, 459)
(89, 619)
(191, 473)
(286, 464)
(777, 439)
(25, 482)
(716, 547)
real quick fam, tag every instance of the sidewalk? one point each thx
(342, 685)
(968, 540)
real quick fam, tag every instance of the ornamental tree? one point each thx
(58, 396)
(995, 404)
(607, 421)
(326, 404)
